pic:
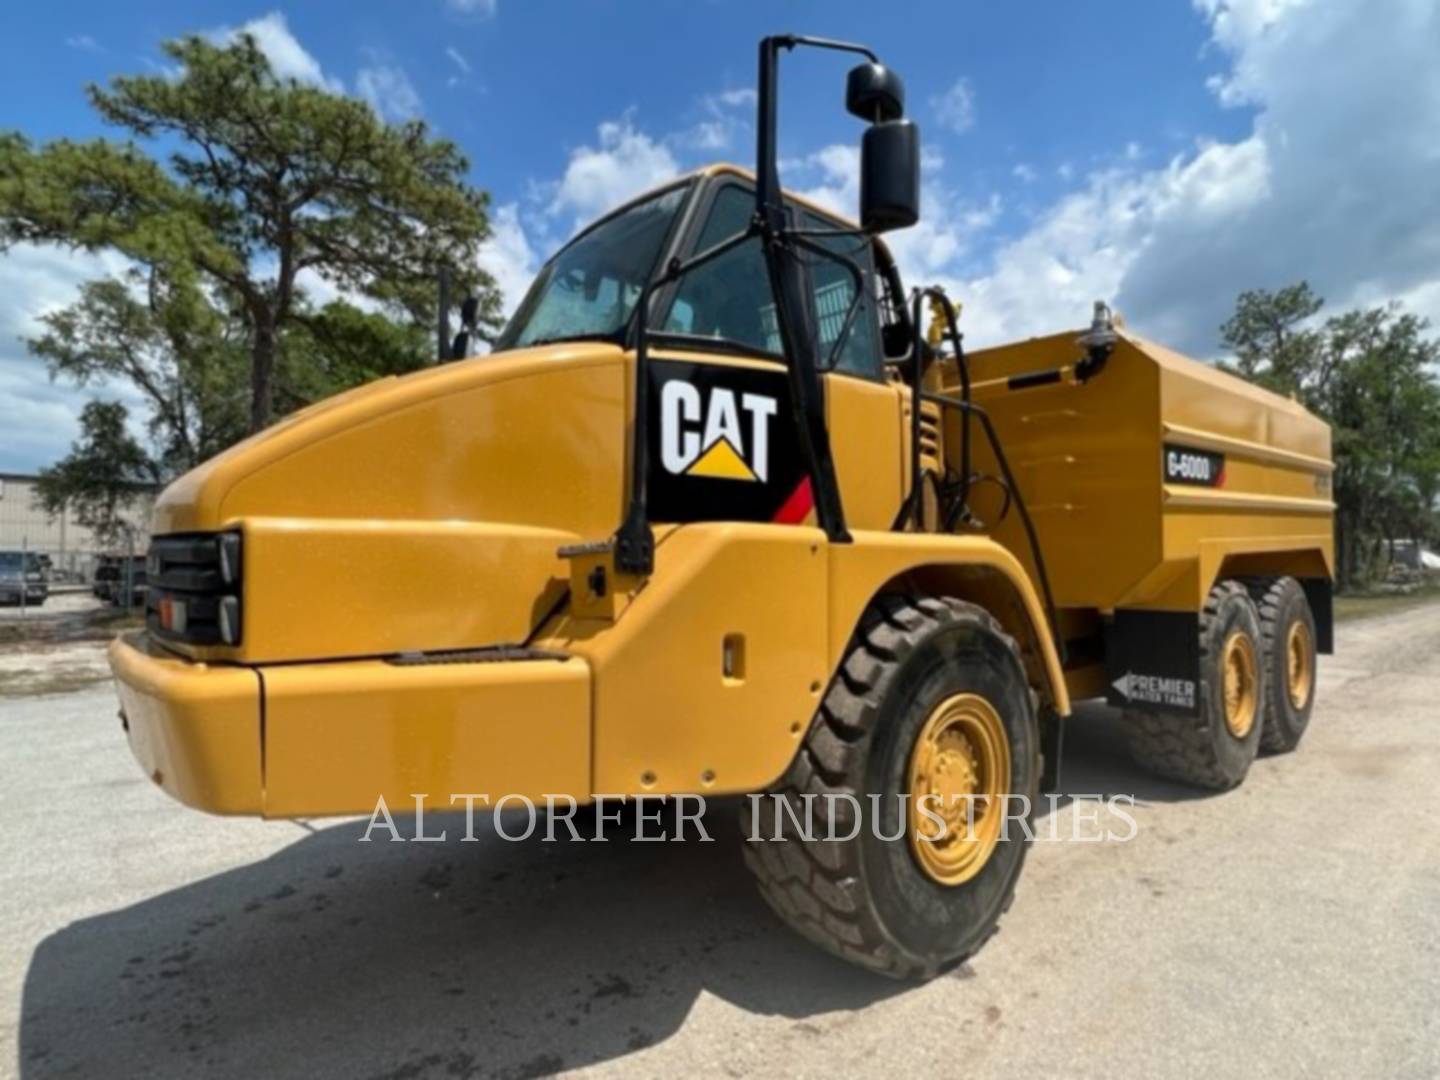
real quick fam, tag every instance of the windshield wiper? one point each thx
(712, 343)
(611, 336)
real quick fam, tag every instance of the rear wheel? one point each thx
(1214, 748)
(1287, 632)
(931, 702)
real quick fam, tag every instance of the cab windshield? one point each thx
(589, 290)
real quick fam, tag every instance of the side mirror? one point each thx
(890, 176)
(875, 93)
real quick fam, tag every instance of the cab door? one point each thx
(724, 442)
(863, 410)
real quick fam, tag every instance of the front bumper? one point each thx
(308, 740)
(195, 729)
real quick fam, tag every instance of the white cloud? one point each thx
(40, 416)
(484, 9)
(598, 178)
(1024, 173)
(1085, 246)
(84, 42)
(724, 118)
(389, 91)
(1334, 183)
(287, 56)
(948, 225)
(1348, 130)
(458, 59)
(508, 255)
(741, 98)
(955, 109)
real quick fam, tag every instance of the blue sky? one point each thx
(1162, 156)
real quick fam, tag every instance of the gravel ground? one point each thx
(1290, 928)
(57, 647)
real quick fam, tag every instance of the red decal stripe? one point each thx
(797, 507)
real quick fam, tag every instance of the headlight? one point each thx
(193, 588)
(229, 544)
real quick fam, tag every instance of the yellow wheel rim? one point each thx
(1299, 664)
(960, 771)
(1241, 700)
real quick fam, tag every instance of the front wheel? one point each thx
(930, 707)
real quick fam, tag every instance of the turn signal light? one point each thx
(230, 620)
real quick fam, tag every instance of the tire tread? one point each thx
(816, 887)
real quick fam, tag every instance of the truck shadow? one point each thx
(334, 957)
(1097, 761)
(339, 958)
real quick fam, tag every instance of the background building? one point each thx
(72, 547)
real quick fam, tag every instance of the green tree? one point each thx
(340, 346)
(267, 179)
(186, 358)
(102, 476)
(1268, 337)
(1374, 376)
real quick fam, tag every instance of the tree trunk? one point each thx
(262, 370)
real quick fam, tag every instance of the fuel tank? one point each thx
(417, 513)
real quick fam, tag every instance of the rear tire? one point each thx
(1213, 749)
(870, 900)
(1287, 633)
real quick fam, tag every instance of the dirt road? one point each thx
(1290, 928)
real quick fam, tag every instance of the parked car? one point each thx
(107, 573)
(22, 577)
(135, 578)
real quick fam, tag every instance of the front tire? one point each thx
(932, 694)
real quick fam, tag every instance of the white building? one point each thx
(71, 547)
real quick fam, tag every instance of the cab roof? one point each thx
(722, 168)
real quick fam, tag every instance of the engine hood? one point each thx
(530, 437)
(419, 513)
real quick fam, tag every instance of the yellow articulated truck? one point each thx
(718, 516)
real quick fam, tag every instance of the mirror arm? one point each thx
(768, 201)
(634, 540)
(791, 40)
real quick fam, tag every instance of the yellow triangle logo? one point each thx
(721, 462)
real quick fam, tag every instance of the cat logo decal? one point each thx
(721, 434)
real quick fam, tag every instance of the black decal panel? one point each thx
(723, 445)
(1200, 468)
(1152, 661)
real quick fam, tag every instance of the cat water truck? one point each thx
(719, 516)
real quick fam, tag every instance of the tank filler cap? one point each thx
(1098, 342)
(1102, 328)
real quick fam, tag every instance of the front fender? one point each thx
(968, 567)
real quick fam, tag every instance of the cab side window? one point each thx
(834, 289)
(729, 299)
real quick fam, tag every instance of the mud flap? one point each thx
(1320, 595)
(1152, 661)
